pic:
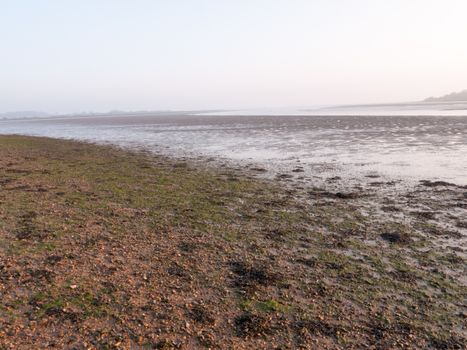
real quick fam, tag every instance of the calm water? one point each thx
(406, 147)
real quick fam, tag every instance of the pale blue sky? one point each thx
(67, 56)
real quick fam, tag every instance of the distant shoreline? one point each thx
(456, 105)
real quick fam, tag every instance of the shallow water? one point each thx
(396, 147)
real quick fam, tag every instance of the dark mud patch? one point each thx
(6, 181)
(259, 170)
(442, 232)
(284, 176)
(428, 215)
(19, 171)
(428, 183)
(179, 271)
(333, 179)
(249, 277)
(396, 237)
(391, 209)
(53, 259)
(460, 205)
(180, 165)
(404, 276)
(40, 275)
(377, 183)
(187, 247)
(310, 262)
(450, 343)
(384, 332)
(320, 327)
(27, 229)
(335, 195)
(249, 324)
(201, 314)
(349, 195)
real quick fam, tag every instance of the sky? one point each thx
(97, 55)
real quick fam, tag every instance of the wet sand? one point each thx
(397, 148)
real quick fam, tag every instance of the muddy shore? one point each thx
(103, 248)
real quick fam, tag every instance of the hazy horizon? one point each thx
(153, 55)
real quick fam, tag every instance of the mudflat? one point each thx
(397, 147)
(104, 248)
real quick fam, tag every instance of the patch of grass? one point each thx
(262, 306)
(86, 303)
(270, 306)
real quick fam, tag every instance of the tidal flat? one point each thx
(107, 248)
